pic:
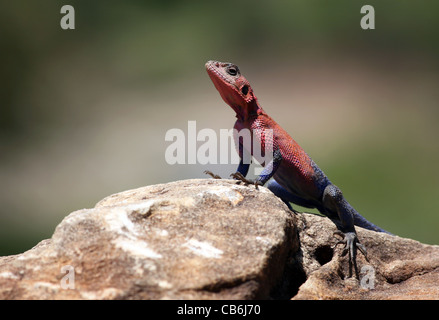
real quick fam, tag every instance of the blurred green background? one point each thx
(84, 112)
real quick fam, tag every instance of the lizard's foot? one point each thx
(350, 240)
(215, 176)
(238, 176)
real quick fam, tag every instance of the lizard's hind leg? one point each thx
(333, 201)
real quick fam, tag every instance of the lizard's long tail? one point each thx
(362, 222)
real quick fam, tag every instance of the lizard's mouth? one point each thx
(211, 63)
(215, 68)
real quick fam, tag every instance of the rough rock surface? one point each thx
(192, 239)
(211, 239)
(398, 268)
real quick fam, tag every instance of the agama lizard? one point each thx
(296, 177)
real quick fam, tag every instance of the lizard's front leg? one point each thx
(241, 171)
(266, 174)
(213, 175)
(243, 167)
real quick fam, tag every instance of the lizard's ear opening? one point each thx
(244, 90)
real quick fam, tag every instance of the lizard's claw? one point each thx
(238, 176)
(350, 240)
(215, 176)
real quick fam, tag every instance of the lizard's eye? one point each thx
(244, 90)
(232, 70)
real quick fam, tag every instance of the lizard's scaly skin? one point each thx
(296, 177)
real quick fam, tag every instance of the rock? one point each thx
(193, 239)
(398, 268)
(212, 239)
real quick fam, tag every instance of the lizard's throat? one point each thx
(246, 111)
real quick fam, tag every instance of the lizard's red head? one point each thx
(233, 87)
